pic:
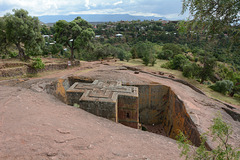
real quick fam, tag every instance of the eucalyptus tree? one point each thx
(213, 16)
(23, 31)
(74, 35)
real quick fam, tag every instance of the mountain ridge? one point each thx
(97, 17)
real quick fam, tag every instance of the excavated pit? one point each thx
(156, 108)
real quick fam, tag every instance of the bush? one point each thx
(179, 61)
(147, 51)
(166, 54)
(190, 70)
(4, 56)
(166, 65)
(146, 60)
(153, 59)
(221, 132)
(223, 86)
(13, 54)
(172, 47)
(37, 63)
(128, 55)
(121, 54)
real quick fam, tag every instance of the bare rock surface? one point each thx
(35, 125)
(201, 108)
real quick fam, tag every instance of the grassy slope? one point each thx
(178, 74)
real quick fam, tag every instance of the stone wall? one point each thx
(153, 99)
(19, 71)
(12, 72)
(128, 110)
(100, 108)
(58, 89)
(159, 105)
(175, 118)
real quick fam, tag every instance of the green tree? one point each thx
(221, 132)
(235, 78)
(176, 49)
(207, 68)
(178, 62)
(121, 54)
(74, 35)
(128, 55)
(45, 30)
(55, 48)
(190, 70)
(23, 31)
(3, 38)
(165, 54)
(213, 16)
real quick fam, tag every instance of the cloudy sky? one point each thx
(161, 8)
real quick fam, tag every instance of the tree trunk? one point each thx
(21, 53)
(72, 54)
(231, 94)
(202, 80)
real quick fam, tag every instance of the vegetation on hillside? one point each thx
(211, 58)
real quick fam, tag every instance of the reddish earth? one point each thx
(36, 125)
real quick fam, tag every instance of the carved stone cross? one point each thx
(108, 99)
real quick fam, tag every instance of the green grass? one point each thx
(178, 74)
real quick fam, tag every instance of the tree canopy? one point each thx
(74, 34)
(23, 31)
(213, 16)
(3, 40)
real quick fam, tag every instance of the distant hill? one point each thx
(97, 17)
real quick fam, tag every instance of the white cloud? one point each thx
(117, 3)
(87, 4)
(64, 7)
(132, 1)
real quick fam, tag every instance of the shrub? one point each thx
(121, 54)
(146, 60)
(153, 59)
(37, 63)
(128, 55)
(4, 56)
(173, 47)
(223, 86)
(13, 54)
(166, 65)
(166, 54)
(190, 70)
(179, 61)
(221, 132)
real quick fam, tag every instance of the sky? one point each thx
(169, 9)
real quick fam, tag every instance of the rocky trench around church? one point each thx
(160, 110)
